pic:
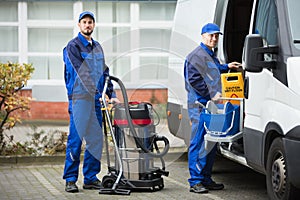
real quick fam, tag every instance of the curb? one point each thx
(31, 160)
(174, 154)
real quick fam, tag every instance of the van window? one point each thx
(293, 13)
(266, 23)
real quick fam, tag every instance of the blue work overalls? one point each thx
(85, 73)
(202, 81)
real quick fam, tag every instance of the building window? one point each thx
(5, 59)
(9, 39)
(121, 67)
(109, 12)
(50, 10)
(41, 42)
(8, 32)
(8, 11)
(153, 68)
(47, 67)
(157, 39)
(135, 36)
(157, 11)
(48, 39)
(113, 39)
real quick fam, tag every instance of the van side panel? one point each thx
(178, 122)
(292, 148)
(190, 16)
(253, 148)
(292, 158)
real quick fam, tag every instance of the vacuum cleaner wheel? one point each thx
(108, 181)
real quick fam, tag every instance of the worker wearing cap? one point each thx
(202, 82)
(85, 73)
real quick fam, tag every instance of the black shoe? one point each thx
(71, 187)
(94, 185)
(198, 188)
(214, 186)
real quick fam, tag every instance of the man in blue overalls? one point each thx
(202, 82)
(85, 73)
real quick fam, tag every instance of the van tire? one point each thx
(277, 176)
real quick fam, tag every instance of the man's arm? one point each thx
(71, 60)
(196, 80)
(72, 57)
(206, 67)
(110, 88)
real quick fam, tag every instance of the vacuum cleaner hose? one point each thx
(131, 126)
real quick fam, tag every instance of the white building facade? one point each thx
(135, 36)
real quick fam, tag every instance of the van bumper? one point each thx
(292, 149)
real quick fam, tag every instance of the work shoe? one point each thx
(71, 187)
(214, 186)
(94, 185)
(198, 188)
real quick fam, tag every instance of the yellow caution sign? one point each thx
(232, 86)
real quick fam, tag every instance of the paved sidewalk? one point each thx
(33, 181)
(26, 177)
(45, 182)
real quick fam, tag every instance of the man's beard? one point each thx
(87, 33)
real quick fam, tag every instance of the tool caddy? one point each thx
(223, 122)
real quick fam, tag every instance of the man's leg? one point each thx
(197, 161)
(93, 152)
(208, 182)
(91, 167)
(197, 154)
(72, 161)
(210, 158)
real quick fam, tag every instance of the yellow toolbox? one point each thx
(232, 86)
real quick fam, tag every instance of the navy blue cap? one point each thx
(211, 28)
(86, 13)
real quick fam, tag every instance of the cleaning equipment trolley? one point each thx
(223, 122)
(132, 129)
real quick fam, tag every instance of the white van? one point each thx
(265, 36)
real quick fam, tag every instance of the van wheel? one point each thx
(277, 176)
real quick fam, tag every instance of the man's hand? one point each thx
(234, 65)
(110, 101)
(115, 100)
(217, 96)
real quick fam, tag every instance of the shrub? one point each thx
(39, 143)
(13, 77)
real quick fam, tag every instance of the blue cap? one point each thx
(86, 13)
(211, 28)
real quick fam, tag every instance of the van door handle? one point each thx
(246, 87)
